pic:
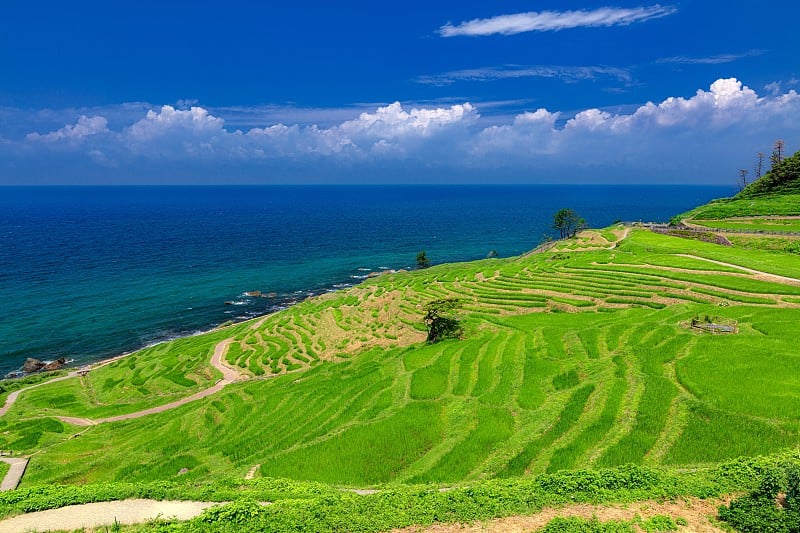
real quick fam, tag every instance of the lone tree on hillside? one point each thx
(567, 222)
(422, 260)
(440, 321)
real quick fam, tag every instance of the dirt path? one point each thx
(15, 472)
(12, 398)
(758, 273)
(92, 515)
(228, 377)
(18, 465)
(624, 236)
(696, 512)
(252, 472)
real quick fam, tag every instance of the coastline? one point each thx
(92, 365)
(136, 270)
(108, 360)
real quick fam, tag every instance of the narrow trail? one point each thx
(94, 515)
(252, 472)
(14, 474)
(228, 377)
(12, 398)
(765, 275)
(18, 465)
(624, 236)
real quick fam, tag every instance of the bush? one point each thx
(760, 510)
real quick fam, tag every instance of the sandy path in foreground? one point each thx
(98, 514)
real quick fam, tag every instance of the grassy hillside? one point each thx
(775, 194)
(783, 178)
(746, 207)
(579, 357)
(574, 364)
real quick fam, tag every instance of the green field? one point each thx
(776, 205)
(581, 357)
(755, 225)
(570, 359)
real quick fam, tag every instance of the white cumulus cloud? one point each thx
(555, 20)
(85, 127)
(701, 137)
(679, 138)
(389, 131)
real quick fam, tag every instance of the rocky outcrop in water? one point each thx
(58, 364)
(34, 365)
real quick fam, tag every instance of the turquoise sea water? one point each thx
(90, 272)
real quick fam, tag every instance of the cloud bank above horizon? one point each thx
(704, 138)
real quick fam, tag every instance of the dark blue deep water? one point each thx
(89, 272)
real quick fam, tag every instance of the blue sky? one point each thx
(378, 92)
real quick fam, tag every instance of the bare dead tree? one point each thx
(742, 179)
(759, 164)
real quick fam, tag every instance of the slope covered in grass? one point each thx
(581, 357)
(775, 194)
(767, 205)
(783, 178)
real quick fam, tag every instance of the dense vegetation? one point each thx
(313, 507)
(783, 178)
(775, 194)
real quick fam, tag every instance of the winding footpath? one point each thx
(228, 377)
(12, 398)
(19, 464)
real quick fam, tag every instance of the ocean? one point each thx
(90, 272)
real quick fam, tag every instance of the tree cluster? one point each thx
(567, 222)
(782, 177)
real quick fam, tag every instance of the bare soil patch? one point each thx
(698, 514)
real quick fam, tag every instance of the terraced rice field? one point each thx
(580, 356)
(754, 224)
